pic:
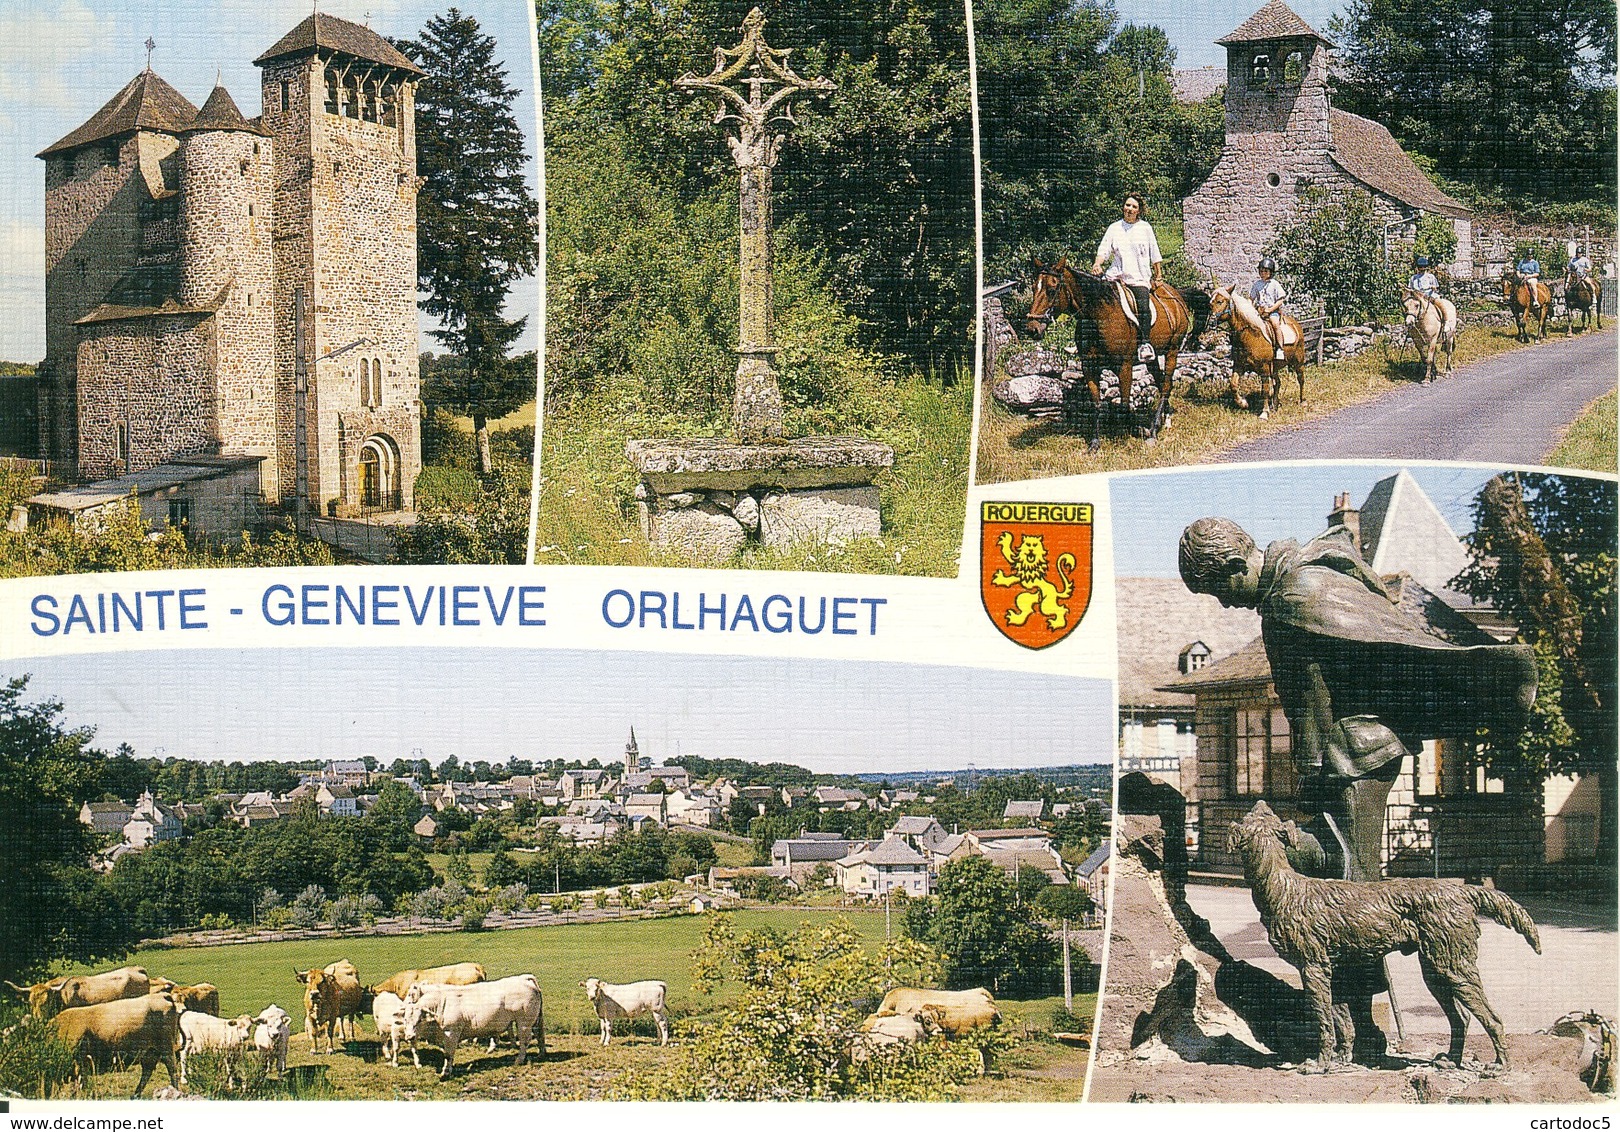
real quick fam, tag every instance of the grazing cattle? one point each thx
(881, 1031)
(143, 1030)
(454, 975)
(389, 1011)
(446, 1016)
(45, 999)
(271, 1035)
(201, 1032)
(330, 996)
(201, 997)
(628, 1000)
(955, 1012)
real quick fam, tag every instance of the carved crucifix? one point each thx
(769, 86)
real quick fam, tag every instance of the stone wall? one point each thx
(151, 375)
(93, 198)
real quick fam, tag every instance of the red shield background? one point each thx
(1064, 528)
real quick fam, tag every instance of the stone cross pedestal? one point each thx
(708, 498)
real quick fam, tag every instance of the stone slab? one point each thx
(703, 533)
(831, 516)
(717, 464)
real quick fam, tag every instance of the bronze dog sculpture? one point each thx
(1315, 923)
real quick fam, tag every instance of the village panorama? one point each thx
(945, 922)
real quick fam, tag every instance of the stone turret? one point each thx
(227, 265)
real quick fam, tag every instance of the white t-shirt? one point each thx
(1134, 250)
(1266, 293)
(1426, 282)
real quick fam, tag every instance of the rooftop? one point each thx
(1158, 618)
(1275, 21)
(321, 31)
(178, 472)
(1370, 154)
(146, 102)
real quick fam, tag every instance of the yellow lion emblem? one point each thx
(1029, 571)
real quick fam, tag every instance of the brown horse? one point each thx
(1105, 337)
(1253, 351)
(1527, 305)
(1584, 294)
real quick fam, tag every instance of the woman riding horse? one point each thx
(1529, 299)
(1106, 338)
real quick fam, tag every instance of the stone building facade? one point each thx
(177, 243)
(1283, 137)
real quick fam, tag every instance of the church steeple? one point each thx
(632, 755)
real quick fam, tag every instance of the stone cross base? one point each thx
(709, 498)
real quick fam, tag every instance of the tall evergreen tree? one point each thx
(477, 219)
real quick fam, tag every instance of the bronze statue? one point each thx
(1362, 682)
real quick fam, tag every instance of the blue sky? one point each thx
(489, 704)
(1194, 27)
(60, 60)
(1289, 501)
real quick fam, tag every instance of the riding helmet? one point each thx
(1267, 264)
(1421, 261)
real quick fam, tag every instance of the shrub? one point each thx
(344, 912)
(33, 1060)
(213, 1073)
(215, 921)
(600, 898)
(371, 908)
(308, 906)
(788, 1035)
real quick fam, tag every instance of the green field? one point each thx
(250, 976)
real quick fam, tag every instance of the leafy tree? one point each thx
(51, 905)
(476, 216)
(459, 868)
(502, 870)
(308, 906)
(395, 813)
(975, 923)
(1543, 552)
(1538, 85)
(1074, 113)
(1436, 238)
(1061, 902)
(1333, 252)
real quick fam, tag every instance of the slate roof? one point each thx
(323, 31)
(1158, 617)
(1007, 834)
(1370, 154)
(890, 851)
(1094, 862)
(1275, 21)
(1018, 809)
(220, 113)
(799, 849)
(1402, 530)
(147, 102)
(1245, 666)
(1194, 84)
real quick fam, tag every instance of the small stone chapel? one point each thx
(1284, 136)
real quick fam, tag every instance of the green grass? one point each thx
(252, 975)
(440, 863)
(517, 418)
(587, 505)
(1590, 441)
(1206, 424)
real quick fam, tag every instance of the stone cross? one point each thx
(757, 67)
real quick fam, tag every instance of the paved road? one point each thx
(1507, 409)
(1575, 971)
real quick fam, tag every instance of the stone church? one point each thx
(1282, 137)
(178, 242)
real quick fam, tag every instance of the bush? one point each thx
(788, 1035)
(473, 914)
(216, 921)
(344, 912)
(212, 1073)
(308, 906)
(33, 1060)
